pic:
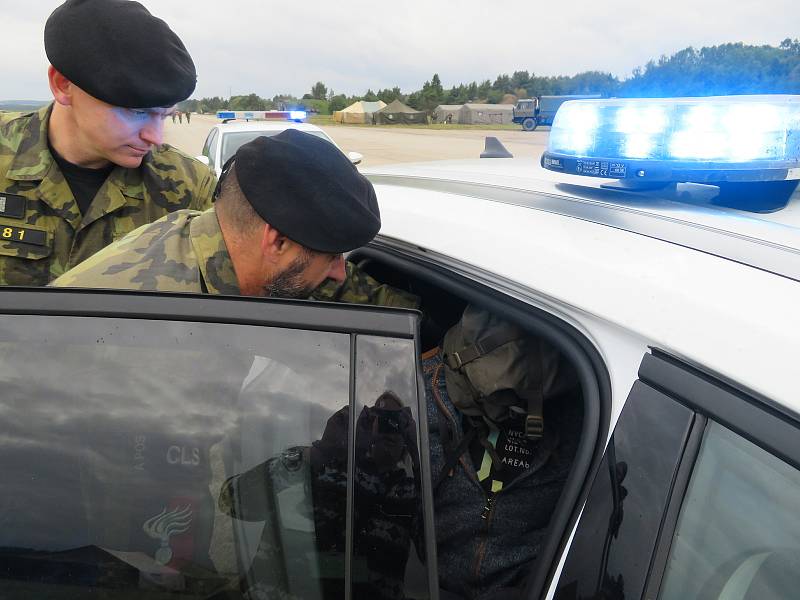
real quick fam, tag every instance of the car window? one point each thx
(611, 552)
(212, 150)
(738, 536)
(387, 472)
(210, 146)
(146, 459)
(233, 140)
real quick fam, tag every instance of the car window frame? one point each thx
(213, 146)
(591, 370)
(648, 481)
(212, 135)
(709, 397)
(354, 320)
(755, 418)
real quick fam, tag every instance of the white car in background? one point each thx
(226, 138)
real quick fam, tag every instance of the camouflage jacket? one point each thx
(42, 231)
(185, 251)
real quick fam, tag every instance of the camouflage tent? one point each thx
(487, 114)
(447, 113)
(358, 112)
(399, 113)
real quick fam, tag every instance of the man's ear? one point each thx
(273, 243)
(61, 87)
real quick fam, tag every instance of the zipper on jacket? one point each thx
(488, 506)
(486, 516)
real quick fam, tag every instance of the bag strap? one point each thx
(452, 458)
(485, 345)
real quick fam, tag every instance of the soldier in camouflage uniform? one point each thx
(276, 230)
(89, 168)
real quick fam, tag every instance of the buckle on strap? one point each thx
(456, 360)
(479, 348)
(453, 361)
(534, 427)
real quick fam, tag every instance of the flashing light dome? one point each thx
(724, 129)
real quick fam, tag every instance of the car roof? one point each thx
(573, 248)
(683, 215)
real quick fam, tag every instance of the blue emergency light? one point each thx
(262, 115)
(748, 146)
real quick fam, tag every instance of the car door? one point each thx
(695, 498)
(158, 446)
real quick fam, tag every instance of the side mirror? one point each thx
(355, 157)
(203, 159)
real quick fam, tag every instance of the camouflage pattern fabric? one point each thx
(42, 232)
(360, 288)
(170, 254)
(166, 256)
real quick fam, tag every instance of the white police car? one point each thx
(239, 127)
(675, 299)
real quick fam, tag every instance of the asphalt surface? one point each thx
(385, 145)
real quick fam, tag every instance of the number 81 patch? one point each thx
(23, 234)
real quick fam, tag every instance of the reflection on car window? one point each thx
(125, 445)
(388, 546)
(738, 536)
(232, 141)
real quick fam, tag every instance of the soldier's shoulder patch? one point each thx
(12, 205)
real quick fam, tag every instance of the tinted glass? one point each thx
(212, 151)
(610, 555)
(232, 141)
(738, 535)
(388, 545)
(210, 147)
(146, 459)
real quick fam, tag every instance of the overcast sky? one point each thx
(270, 47)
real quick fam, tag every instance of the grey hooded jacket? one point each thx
(486, 546)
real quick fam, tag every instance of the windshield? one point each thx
(232, 141)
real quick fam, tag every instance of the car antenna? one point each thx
(494, 149)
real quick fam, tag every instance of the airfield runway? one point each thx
(385, 145)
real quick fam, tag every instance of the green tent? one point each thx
(398, 113)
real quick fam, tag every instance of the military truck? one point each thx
(532, 112)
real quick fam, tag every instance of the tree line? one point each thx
(734, 68)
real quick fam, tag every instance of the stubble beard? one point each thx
(289, 283)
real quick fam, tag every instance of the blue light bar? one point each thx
(717, 140)
(725, 130)
(226, 114)
(297, 115)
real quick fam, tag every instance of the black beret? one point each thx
(308, 190)
(116, 51)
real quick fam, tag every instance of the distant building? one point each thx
(487, 114)
(443, 111)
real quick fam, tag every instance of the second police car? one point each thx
(239, 127)
(657, 247)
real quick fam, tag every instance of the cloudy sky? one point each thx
(269, 47)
